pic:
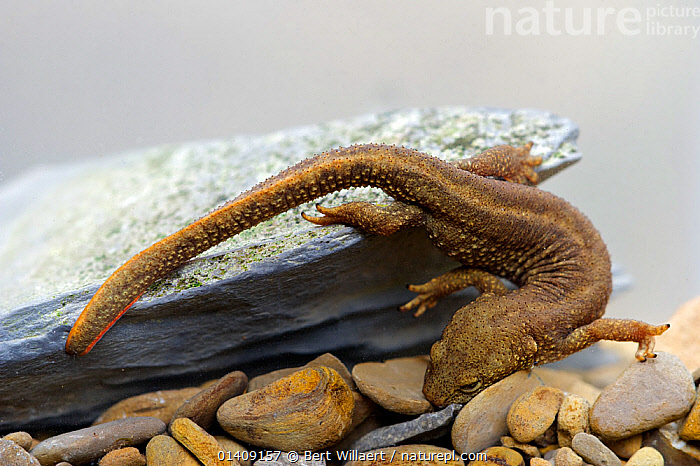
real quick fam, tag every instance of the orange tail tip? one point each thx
(80, 339)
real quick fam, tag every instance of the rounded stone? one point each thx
(12, 454)
(691, 427)
(231, 447)
(325, 360)
(198, 441)
(567, 457)
(646, 456)
(482, 422)
(129, 456)
(533, 412)
(202, 407)
(500, 456)
(572, 418)
(308, 410)
(593, 451)
(164, 450)
(406, 455)
(21, 438)
(161, 404)
(85, 445)
(530, 450)
(625, 447)
(395, 385)
(646, 395)
(539, 462)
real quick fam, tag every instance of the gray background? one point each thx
(89, 79)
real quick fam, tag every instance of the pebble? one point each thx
(675, 451)
(500, 456)
(63, 463)
(482, 421)
(129, 456)
(533, 412)
(11, 454)
(646, 456)
(164, 450)
(567, 457)
(530, 450)
(85, 445)
(423, 428)
(593, 451)
(326, 360)
(201, 408)
(645, 396)
(572, 418)
(626, 447)
(229, 445)
(539, 462)
(691, 427)
(308, 410)
(23, 439)
(422, 455)
(198, 441)
(395, 385)
(161, 404)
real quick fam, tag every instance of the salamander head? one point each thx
(458, 372)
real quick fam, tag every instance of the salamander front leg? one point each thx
(457, 279)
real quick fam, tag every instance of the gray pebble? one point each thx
(84, 445)
(646, 395)
(425, 427)
(593, 451)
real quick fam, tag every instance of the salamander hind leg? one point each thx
(372, 218)
(611, 329)
(514, 164)
(430, 293)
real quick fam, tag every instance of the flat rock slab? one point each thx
(284, 287)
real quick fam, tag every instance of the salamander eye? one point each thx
(470, 387)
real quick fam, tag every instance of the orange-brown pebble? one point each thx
(198, 441)
(500, 456)
(12, 454)
(201, 408)
(572, 419)
(161, 404)
(21, 438)
(308, 410)
(129, 456)
(326, 359)
(567, 457)
(163, 450)
(532, 413)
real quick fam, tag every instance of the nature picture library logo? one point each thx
(651, 20)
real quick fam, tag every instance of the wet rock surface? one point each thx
(182, 327)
